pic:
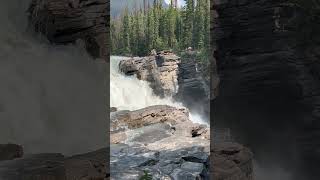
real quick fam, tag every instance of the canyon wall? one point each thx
(269, 80)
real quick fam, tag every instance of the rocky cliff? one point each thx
(161, 71)
(194, 90)
(269, 81)
(66, 21)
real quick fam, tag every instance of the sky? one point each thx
(180, 2)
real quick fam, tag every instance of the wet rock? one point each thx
(10, 151)
(66, 21)
(194, 89)
(160, 70)
(160, 142)
(34, 167)
(148, 116)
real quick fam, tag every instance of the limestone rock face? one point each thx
(10, 151)
(66, 21)
(160, 70)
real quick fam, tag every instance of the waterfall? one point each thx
(52, 98)
(130, 93)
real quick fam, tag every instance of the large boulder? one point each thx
(66, 21)
(232, 161)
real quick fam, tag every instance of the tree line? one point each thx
(159, 28)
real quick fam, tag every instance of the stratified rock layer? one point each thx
(160, 70)
(269, 92)
(66, 21)
(160, 140)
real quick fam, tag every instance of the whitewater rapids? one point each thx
(130, 93)
(52, 98)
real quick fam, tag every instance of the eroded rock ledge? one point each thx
(66, 21)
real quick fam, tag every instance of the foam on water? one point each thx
(130, 93)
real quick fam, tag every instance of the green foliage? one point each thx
(146, 176)
(159, 28)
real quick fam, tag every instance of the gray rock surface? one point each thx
(90, 166)
(162, 142)
(160, 70)
(194, 89)
(66, 21)
(269, 81)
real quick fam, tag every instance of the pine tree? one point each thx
(126, 31)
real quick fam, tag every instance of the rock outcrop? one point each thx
(160, 70)
(160, 140)
(269, 80)
(66, 21)
(90, 166)
(194, 90)
(232, 161)
(10, 151)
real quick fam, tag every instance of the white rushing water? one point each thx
(130, 93)
(52, 98)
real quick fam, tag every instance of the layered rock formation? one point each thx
(66, 21)
(269, 88)
(160, 70)
(159, 140)
(194, 90)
